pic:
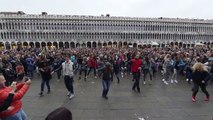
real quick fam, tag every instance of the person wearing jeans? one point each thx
(67, 68)
(46, 75)
(106, 79)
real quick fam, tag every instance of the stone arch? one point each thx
(7, 45)
(99, 44)
(83, 45)
(77, 45)
(13, 45)
(135, 45)
(61, 45)
(1, 45)
(89, 44)
(94, 45)
(25, 44)
(110, 44)
(37, 44)
(115, 44)
(55, 44)
(43, 44)
(31, 44)
(72, 45)
(120, 45)
(104, 44)
(49, 45)
(66, 45)
(125, 44)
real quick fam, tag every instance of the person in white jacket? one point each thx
(67, 68)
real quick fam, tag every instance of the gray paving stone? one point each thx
(157, 101)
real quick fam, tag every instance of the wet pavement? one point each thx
(155, 102)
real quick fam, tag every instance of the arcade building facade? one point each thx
(18, 29)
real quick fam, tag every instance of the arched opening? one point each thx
(49, 45)
(43, 45)
(7, 45)
(66, 44)
(176, 44)
(172, 44)
(184, 45)
(84, 45)
(135, 45)
(37, 44)
(94, 45)
(61, 45)
(1, 45)
(77, 45)
(32, 45)
(99, 44)
(180, 45)
(104, 44)
(13, 45)
(55, 44)
(120, 45)
(114, 44)
(125, 44)
(25, 44)
(89, 44)
(72, 45)
(19, 45)
(188, 45)
(109, 44)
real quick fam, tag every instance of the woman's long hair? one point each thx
(199, 67)
(108, 68)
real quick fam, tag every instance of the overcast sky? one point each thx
(133, 8)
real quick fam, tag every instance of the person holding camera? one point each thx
(15, 112)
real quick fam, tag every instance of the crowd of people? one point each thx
(196, 65)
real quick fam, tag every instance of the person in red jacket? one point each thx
(136, 64)
(16, 112)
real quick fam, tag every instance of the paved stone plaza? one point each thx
(155, 102)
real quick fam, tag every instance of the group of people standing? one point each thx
(105, 63)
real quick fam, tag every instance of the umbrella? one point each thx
(210, 59)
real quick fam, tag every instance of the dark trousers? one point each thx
(47, 84)
(59, 74)
(117, 76)
(145, 72)
(106, 84)
(195, 89)
(91, 69)
(136, 77)
(84, 70)
(69, 83)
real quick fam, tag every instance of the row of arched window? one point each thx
(101, 35)
(104, 25)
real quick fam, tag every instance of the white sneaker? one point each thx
(187, 80)
(171, 81)
(176, 81)
(69, 93)
(95, 77)
(144, 82)
(166, 82)
(163, 80)
(71, 96)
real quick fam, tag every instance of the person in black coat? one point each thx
(200, 77)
